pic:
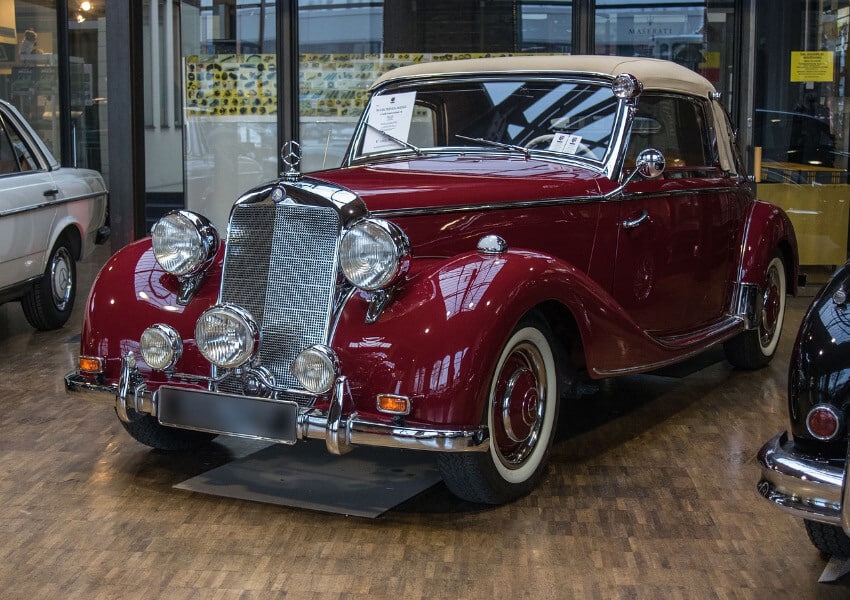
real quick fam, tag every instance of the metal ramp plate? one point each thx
(365, 482)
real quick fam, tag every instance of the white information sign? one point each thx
(390, 114)
(566, 143)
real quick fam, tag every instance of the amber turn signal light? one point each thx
(91, 364)
(393, 405)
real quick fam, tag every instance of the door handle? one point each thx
(632, 223)
(52, 192)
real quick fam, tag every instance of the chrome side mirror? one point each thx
(650, 163)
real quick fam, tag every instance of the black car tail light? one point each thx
(823, 422)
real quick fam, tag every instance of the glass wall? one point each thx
(211, 106)
(801, 122)
(228, 77)
(694, 34)
(344, 46)
(29, 61)
(164, 155)
(87, 45)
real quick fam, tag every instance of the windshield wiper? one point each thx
(479, 140)
(392, 138)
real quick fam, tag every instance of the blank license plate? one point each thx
(258, 418)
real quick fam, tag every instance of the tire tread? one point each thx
(472, 476)
(147, 430)
(37, 303)
(828, 538)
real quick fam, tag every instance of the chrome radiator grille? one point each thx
(280, 265)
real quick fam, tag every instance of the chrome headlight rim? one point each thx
(305, 363)
(249, 336)
(626, 86)
(164, 339)
(201, 238)
(374, 276)
(834, 415)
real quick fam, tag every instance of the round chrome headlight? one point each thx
(374, 254)
(161, 347)
(184, 242)
(227, 336)
(316, 368)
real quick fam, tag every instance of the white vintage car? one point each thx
(50, 217)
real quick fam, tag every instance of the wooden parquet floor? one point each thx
(650, 494)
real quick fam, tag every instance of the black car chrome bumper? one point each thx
(265, 419)
(802, 485)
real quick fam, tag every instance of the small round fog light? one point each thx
(161, 347)
(227, 336)
(316, 369)
(823, 422)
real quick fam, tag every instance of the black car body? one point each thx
(804, 470)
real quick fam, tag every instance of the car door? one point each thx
(27, 206)
(676, 250)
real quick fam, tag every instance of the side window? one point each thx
(676, 126)
(22, 151)
(422, 127)
(8, 162)
(15, 156)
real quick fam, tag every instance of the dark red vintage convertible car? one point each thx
(500, 230)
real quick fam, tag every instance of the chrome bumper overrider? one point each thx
(804, 486)
(340, 432)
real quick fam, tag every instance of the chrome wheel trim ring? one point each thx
(522, 405)
(61, 278)
(773, 307)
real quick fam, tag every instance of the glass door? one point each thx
(801, 122)
(228, 82)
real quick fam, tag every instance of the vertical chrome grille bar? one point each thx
(280, 265)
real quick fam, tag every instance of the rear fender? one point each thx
(768, 230)
(75, 232)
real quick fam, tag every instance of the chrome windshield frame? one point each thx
(610, 164)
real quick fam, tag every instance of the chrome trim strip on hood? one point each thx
(311, 192)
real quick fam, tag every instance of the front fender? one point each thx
(132, 292)
(439, 340)
(767, 230)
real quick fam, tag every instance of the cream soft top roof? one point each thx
(653, 73)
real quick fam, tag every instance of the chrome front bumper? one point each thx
(802, 485)
(341, 433)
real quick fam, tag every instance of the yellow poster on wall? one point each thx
(337, 85)
(811, 66)
(231, 85)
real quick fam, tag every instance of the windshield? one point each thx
(565, 118)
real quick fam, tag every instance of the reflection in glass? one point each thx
(230, 102)
(343, 51)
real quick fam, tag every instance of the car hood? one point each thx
(454, 181)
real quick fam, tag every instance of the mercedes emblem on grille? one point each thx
(290, 154)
